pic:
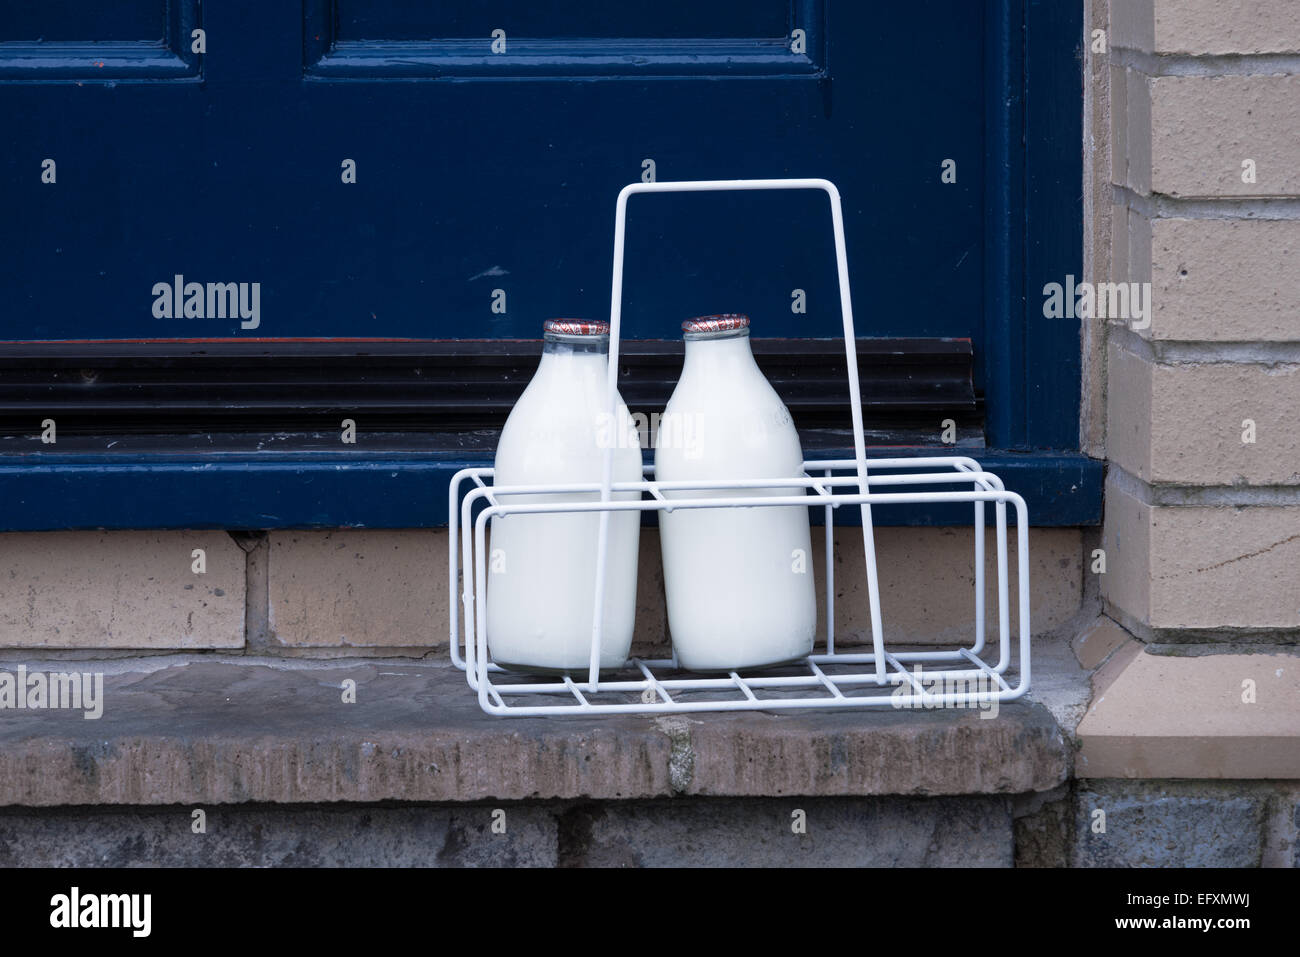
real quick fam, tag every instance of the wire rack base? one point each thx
(830, 678)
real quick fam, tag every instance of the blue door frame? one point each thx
(225, 166)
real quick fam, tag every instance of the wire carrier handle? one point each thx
(855, 395)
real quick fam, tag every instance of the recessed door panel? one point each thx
(463, 186)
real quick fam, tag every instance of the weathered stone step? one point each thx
(223, 731)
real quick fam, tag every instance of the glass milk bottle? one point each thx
(542, 568)
(739, 581)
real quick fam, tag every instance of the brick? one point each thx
(1130, 129)
(1197, 411)
(1132, 24)
(270, 836)
(1194, 716)
(1168, 825)
(926, 579)
(881, 832)
(927, 582)
(1118, 84)
(1200, 27)
(1225, 280)
(1138, 132)
(1119, 244)
(387, 589)
(120, 589)
(1181, 423)
(358, 588)
(1202, 567)
(1128, 410)
(1202, 128)
(1227, 567)
(1139, 253)
(1126, 540)
(362, 588)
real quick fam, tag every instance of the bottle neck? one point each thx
(728, 351)
(579, 346)
(574, 364)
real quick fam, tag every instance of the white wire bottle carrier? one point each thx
(827, 678)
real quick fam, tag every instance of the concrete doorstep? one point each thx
(200, 730)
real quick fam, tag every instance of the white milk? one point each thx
(739, 581)
(541, 568)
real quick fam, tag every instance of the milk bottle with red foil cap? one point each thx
(542, 567)
(739, 581)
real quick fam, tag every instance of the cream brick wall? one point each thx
(1182, 423)
(1128, 411)
(1187, 136)
(357, 588)
(360, 588)
(1126, 541)
(1223, 280)
(927, 583)
(120, 590)
(388, 589)
(1201, 27)
(1131, 129)
(1132, 24)
(1203, 128)
(1223, 26)
(1202, 568)
(1237, 567)
(1201, 528)
(1198, 411)
(377, 590)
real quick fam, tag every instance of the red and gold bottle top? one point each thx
(576, 327)
(723, 322)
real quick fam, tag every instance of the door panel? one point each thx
(70, 20)
(476, 19)
(372, 38)
(466, 186)
(80, 40)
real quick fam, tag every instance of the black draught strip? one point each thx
(124, 388)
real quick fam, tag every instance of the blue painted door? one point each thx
(477, 171)
(351, 170)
